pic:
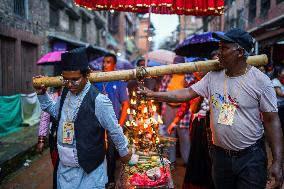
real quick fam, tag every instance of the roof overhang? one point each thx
(271, 25)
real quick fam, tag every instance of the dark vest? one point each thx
(89, 134)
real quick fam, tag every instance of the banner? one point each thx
(30, 109)
(10, 114)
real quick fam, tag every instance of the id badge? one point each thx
(68, 132)
(227, 114)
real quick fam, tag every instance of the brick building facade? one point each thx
(31, 28)
(234, 16)
(21, 39)
(189, 25)
(263, 19)
(266, 25)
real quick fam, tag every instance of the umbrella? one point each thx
(121, 64)
(194, 59)
(181, 7)
(161, 56)
(51, 57)
(152, 63)
(198, 45)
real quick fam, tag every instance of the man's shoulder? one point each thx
(258, 81)
(93, 92)
(216, 73)
(97, 84)
(259, 76)
(101, 98)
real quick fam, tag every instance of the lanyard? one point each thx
(76, 109)
(104, 88)
(238, 91)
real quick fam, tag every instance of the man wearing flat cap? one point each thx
(239, 96)
(83, 116)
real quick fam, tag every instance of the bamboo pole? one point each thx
(209, 65)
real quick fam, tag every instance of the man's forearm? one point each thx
(123, 116)
(48, 105)
(275, 139)
(182, 95)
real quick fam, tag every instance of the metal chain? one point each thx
(141, 73)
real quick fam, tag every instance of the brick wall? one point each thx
(36, 21)
(274, 11)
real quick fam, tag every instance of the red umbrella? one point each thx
(185, 7)
(51, 57)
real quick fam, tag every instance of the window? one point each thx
(98, 38)
(21, 8)
(84, 30)
(265, 6)
(113, 22)
(229, 2)
(240, 18)
(252, 10)
(71, 25)
(53, 17)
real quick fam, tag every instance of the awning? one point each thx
(93, 48)
(72, 41)
(269, 26)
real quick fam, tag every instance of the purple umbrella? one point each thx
(198, 45)
(121, 64)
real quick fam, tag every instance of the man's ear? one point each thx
(88, 72)
(241, 52)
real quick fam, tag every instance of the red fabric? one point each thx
(143, 180)
(281, 79)
(54, 157)
(188, 7)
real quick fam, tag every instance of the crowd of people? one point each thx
(221, 119)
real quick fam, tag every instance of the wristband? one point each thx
(41, 139)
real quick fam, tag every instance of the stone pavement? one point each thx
(178, 173)
(38, 175)
(16, 148)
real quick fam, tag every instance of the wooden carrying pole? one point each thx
(209, 65)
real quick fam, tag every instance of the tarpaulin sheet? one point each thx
(10, 114)
(30, 109)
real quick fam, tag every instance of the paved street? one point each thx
(39, 175)
(36, 176)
